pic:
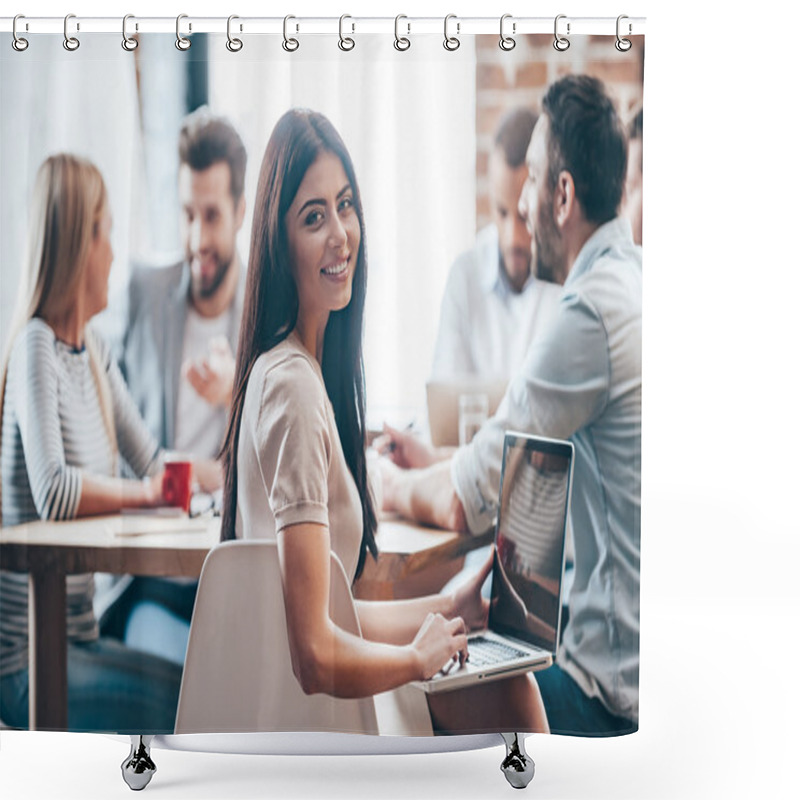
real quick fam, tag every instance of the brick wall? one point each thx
(521, 77)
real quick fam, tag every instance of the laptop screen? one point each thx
(530, 535)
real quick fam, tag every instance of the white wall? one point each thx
(42, 115)
(408, 120)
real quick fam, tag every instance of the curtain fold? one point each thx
(45, 113)
(408, 120)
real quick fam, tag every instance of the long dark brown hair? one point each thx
(271, 306)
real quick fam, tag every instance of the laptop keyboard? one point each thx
(485, 652)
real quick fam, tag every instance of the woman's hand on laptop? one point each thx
(468, 603)
(438, 642)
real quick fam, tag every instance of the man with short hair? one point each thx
(580, 381)
(177, 357)
(183, 319)
(493, 307)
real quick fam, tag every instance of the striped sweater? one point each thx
(53, 433)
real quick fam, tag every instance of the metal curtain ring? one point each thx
(70, 42)
(346, 43)
(623, 45)
(561, 43)
(233, 44)
(401, 43)
(289, 44)
(181, 42)
(18, 43)
(451, 42)
(128, 42)
(507, 42)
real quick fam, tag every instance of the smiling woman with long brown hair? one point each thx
(295, 461)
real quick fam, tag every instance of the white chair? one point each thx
(238, 674)
(239, 693)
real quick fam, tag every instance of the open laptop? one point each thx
(527, 576)
(442, 401)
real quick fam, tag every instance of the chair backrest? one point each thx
(238, 674)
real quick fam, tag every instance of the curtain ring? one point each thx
(181, 42)
(451, 43)
(128, 42)
(623, 45)
(233, 44)
(289, 44)
(70, 42)
(507, 42)
(401, 43)
(346, 43)
(18, 43)
(561, 43)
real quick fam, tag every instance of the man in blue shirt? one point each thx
(580, 380)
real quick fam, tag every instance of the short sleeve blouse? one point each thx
(291, 466)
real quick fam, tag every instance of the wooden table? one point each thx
(170, 546)
(413, 560)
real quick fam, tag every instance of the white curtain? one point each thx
(408, 120)
(55, 101)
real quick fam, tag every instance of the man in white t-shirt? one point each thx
(493, 307)
(177, 353)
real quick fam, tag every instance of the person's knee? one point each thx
(14, 701)
(154, 629)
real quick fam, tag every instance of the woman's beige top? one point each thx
(291, 467)
(291, 470)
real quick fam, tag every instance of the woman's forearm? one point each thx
(101, 495)
(327, 654)
(344, 665)
(397, 621)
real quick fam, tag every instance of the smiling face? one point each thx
(210, 220)
(324, 236)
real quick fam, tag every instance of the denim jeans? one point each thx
(110, 688)
(571, 712)
(153, 615)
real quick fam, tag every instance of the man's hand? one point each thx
(425, 495)
(407, 449)
(208, 474)
(389, 484)
(212, 377)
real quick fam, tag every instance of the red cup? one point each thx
(177, 484)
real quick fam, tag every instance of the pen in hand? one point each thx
(391, 446)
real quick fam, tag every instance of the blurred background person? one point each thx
(67, 419)
(177, 357)
(493, 307)
(183, 319)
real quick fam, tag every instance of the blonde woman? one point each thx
(67, 419)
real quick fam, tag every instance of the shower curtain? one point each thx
(460, 277)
